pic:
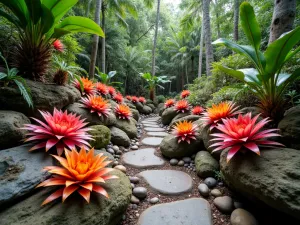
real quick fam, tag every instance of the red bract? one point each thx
(58, 45)
(101, 88)
(96, 104)
(60, 130)
(134, 99)
(169, 103)
(111, 90)
(118, 98)
(185, 93)
(142, 100)
(197, 110)
(123, 112)
(185, 131)
(88, 86)
(182, 106)
(243, 133)
(128, 97)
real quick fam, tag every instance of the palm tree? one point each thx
(155, 38)
(236, 20)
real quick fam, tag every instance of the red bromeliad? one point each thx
(88, 86)
(197, 110)
(182, 106)
(123, 112)
(101, 88)
(111, 90)
(128, 97)
(96, 104)
(185, 93)
(185, 131)
(58, 45)
(243, 133)
(60, 130)
(118, 98)
(134, 99)
(80, 172)
(169, 103)
(142, 100)
(218, 112)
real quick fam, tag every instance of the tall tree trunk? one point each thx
(236, 20)
(155, 38)
(95, 41)
(186, 73)
(193, 64)
(283, 18)
(207, 31)
(201, 49)
(217, 17)
(103, 56)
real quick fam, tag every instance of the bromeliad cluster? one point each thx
(182, 106)
(85, 86)
(135, 99)
(185, 94)
(185, 131)
(96, 104)
(169, 103)
(123, 112)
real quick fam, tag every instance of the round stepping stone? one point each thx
(192, 211)
(154, 129)
(157, 134)
(152, 141)
(152, 125)
(142, 158)
(168, 182)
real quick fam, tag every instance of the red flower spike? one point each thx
(59, 130)
(111, 90)
(123, 112)
(244, 133)
(88, 86)
(134, 99)
(169, 103)
(185, 131)
(118, 98)
(182, 106)
(185, 93)
(58, 45)
(80, 172)
(96, 104)
(142, 100)
(197, 110)
(101, 88)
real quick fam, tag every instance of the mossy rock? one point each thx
(101, 134)
(146, 110)
(128, 126)
(206, 165)
(168, 115)
(135, 114)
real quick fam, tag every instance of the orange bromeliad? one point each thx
(118, 98)
(96, 104)
(185, 131)
(128, 97)
(101, 88)
(185, 93)
(111, 90)
(169, 103)
(88, 86)
(81, 172)
(123, 112)
(134, 99)
(142, 100)
(182, 106)
(197, 110)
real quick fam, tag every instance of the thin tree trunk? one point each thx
(217, 17)
(201, 50)
(207, 31)
(103, 61)
(95, 41)
(283, 18)
(186, 73)
(155, 38)
(236, 20)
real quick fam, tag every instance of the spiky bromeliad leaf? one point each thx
(25, 91)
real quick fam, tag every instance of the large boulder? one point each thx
(139, 106)
(119, 137)
(152, 106)
(130, 105)
(272, 178)
(206, 165)
(160, 108)
(135, 114)
(101, 136)
(146, 110)
(290, 128)
(44, 96)
(189, 118)
(168, 115)
(113, 104)
(75, 211)
(179, 115)
(172, 149)
(128, 126)
(20, 172)
(10, 133)
(92, 118)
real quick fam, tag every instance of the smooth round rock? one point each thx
(187, 159)
(174, 162)
(210, 182)
(181, 163)
(115, 148)
(216, 193)
(154, 200)
(134, 200)
(140, 192)
(134, 180)
(242, 217)
(203, 190)
(152, 141)
(134, 147)
(224, 204)
(111, 151)
(121, 168)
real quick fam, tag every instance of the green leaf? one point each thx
(10, 18)
(58, 33)
(59, 7)
(35, 9)
(281, 78)
(277, 51)
(19, 8)
(47, 19)
(80, 24)
(251, 75)
(111, 74)
(250, 25)
(291, 54)
(2, 75)
(80, 82)
(25, 91)
(234, 73)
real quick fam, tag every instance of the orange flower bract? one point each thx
(134, 99)
(185, 131)
(243, 133)
(81, 172)
(169, 103)
(96, 104)
(142, 100)
(123, 112)
(128, 97)
(88, 86)
(185, 93)
(101, 88)
(197, 110)
(111, 90)
(118, 98)
(182, 106)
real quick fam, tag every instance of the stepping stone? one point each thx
(142, 158)
(152, 118)
(168, 182)
(157, 134)
(152, 141)
(154, 129)
(149, 122)
(193, 211)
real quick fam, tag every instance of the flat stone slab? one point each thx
(152, 141)
(193, 211)
(168, 182)
(21, 171)
(152, 119)
(157, 134)
(151, 125)
(142, 158)
(154, 129)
